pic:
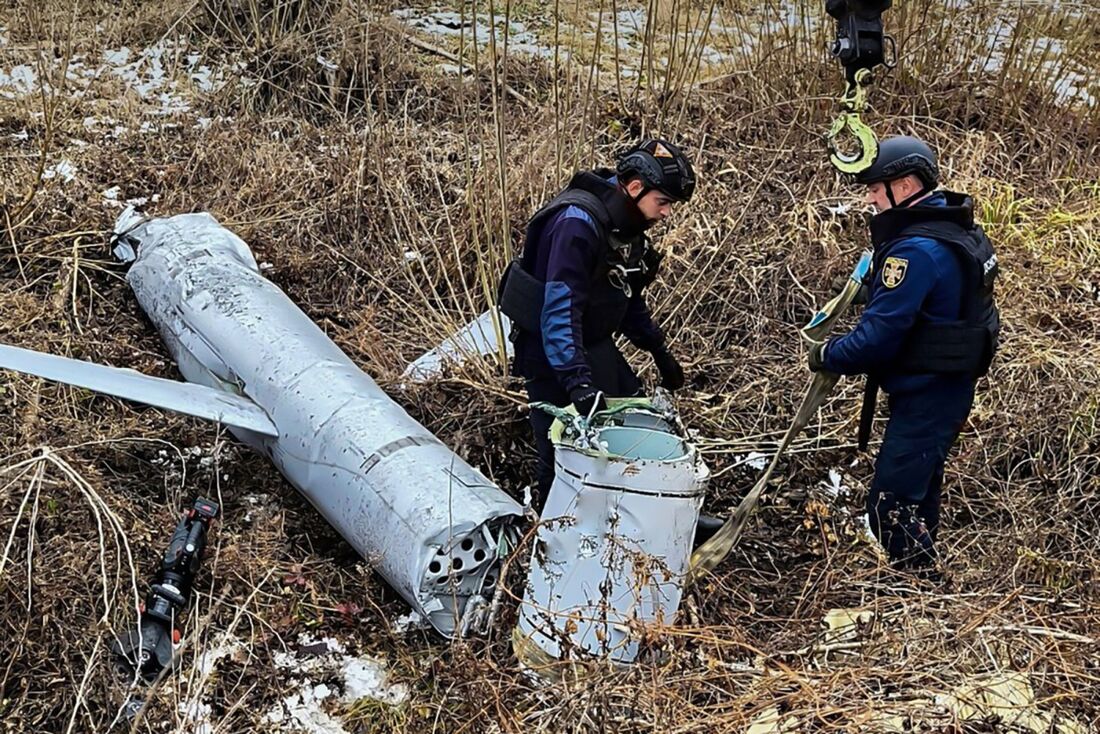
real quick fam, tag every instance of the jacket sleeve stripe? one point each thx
(557, 323)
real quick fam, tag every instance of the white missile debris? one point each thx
(433, 526)
(613, 549)
(479, 337)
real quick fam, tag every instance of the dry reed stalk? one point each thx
(332, 179)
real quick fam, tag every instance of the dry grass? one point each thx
(333, 175)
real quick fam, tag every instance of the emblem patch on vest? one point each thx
(893, 271)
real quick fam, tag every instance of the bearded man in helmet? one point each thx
(580, 282)
(929, 331)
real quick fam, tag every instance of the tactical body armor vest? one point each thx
(965, 346)
(962, 347)
(628, 264)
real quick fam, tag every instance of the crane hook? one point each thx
(852, 105)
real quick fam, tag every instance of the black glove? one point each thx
(672, 374)
(816, 357)
(586, 398)
(840, 281)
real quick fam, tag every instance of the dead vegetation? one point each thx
(386, 193)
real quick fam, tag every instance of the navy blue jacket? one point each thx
(930, 287)
(567, 259)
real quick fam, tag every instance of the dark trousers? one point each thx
(610, 373)
(903, 505)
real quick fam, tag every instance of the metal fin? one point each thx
(181, 397)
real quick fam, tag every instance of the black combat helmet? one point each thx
(660, 165)
(899, 156)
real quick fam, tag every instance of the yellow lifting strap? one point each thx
(852, 105)
(707, 556)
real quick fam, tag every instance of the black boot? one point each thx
(706, 527)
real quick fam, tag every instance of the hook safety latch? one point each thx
(852, 104)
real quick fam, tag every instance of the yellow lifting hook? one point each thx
(852, 104)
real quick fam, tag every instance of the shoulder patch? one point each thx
(893, 271)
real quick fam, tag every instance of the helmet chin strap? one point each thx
(645, 190)
(637, 214)
(637, 201)
(907, 201)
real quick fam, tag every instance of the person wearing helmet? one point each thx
(929, 331)
(580, 281)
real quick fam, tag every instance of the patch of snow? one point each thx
(20, 81)
(411, 621)
(302, 710)
(1075, 87)
(171, 104)
(368, 678)
(197, 711)
(117, 57)
(255, 502)
(356, 677)
(714, 57)
(21, 135)
(111, 198)
(834, 486)
(198, 714)
(152, 74)
(65, 170)
(451, 24)
(204, 79)
(629, 24)
(326, 63)
(754, 459)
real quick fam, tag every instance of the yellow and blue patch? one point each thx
(893, 271)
